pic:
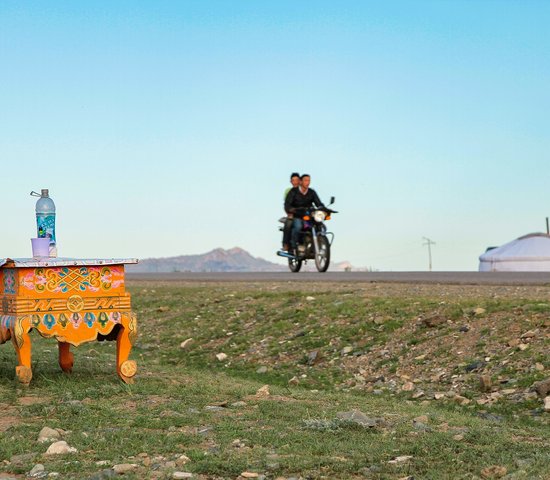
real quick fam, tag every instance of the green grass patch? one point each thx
(185, 401)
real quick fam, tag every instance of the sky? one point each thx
(165, 128)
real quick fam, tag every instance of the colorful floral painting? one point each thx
(75, 319)
(49, 321)
(9, 281)
(89, 319)
(69, 279)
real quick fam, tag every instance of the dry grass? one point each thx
(187, 402)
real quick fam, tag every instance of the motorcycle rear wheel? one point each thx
(294, 265)
(322, 257)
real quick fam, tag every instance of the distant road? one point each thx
(463, 278)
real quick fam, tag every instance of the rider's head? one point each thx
(305, 179)
(295, 179)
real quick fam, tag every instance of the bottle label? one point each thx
(46, 227)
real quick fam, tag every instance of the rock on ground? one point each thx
(182, 460)
(37, 471)
(401, 459)
(542, 387)
(123, 468)
(356, 416)
(48, 434)
(263, 392)
(59, 448)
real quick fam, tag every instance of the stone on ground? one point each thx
(181, 475)
(38, 471)
(263, 392)
(123, 468)
(60, 448)
(48, 434)
(358, 417)
(542, 387)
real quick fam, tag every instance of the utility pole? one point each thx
(429, 242)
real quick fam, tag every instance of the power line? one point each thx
(429, 243)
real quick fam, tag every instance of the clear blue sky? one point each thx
(166, 128)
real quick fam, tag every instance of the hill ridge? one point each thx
(235, 259)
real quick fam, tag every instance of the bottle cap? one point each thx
(45, 192)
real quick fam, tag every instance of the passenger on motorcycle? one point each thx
(297, 201)
(295, 182)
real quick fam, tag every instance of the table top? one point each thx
(63, 261)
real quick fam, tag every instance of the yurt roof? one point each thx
(530, 247)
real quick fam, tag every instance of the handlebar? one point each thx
(326, 209)
(307, 210)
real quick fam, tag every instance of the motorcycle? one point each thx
(313, 241)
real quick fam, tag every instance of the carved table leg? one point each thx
(126, 369)
(66, 358)
(22, 343)
(5, 334)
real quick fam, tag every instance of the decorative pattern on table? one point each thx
(79, 279)
(132, 327)
(9, 281)
(19, 331)
(74, 303)
(49, 320)
(6, 305)
(7, 321)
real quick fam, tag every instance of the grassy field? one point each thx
(408, 357)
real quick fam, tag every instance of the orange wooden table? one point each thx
(72, 300)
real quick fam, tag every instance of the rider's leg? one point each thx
(296, 229)
(286, 232)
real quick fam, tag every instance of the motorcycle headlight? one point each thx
(319, 215)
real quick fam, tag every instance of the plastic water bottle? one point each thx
(45, 219)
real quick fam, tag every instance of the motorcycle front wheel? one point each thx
(322, 257)
(294, 265)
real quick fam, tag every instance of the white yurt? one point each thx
(530, 253)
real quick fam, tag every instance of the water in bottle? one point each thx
(45, 219)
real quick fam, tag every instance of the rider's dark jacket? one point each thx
(297, 202)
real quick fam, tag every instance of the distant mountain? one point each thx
(218, 260)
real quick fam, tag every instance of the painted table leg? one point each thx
(5, 334)
(126, 369)
(22, 343)
(66, 358)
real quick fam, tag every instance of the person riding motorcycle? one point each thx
(298, 200)
(295, 182)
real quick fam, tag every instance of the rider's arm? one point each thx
(288, 201)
